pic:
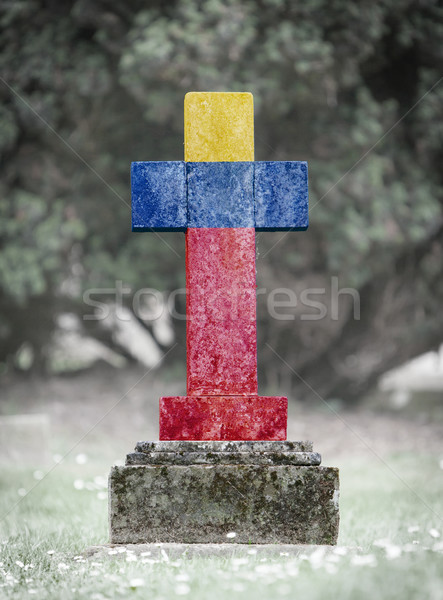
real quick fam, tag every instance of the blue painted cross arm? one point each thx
(281, 195)
(172, 196)
(158, 191)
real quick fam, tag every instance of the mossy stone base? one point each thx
(261, 504)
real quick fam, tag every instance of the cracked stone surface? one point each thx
(224, 458)
(223, 446)
(203, 503)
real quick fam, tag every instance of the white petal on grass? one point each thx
(438, 547)
(110, 552)
(57, 458)
(101, 481)
(38, 475)
(131, 558)
(231, 535)
(81, 459)
(79, 484)
(331, 568)
(392, 552)
(317, 558)
(409, 548)
(340, 550)
(50, 552)
(252, 551)
(292, 569)
(182, 589)
(137, 582)
(32, 591)
(240, 560)
(413, 528)
(383, 543)
(62, 566)
(434, 533)
(366, 560)
(21, 492)
(121, 550)
(149, 561)
(332, 558)
(182, 577)
(164, 555)
(19, 564)
(102, 495)
(262, 569)
(145, 554)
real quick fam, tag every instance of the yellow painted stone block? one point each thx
(219, 126)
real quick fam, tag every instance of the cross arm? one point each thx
(174, 195)
(158, 195)
(281, 195)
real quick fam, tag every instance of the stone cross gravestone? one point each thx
(222, 463)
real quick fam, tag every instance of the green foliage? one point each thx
(343, 85)
(37, 238)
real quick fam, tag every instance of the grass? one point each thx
(385, 547)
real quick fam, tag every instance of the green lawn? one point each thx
(388, 546)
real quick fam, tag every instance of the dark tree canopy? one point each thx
(351, 87)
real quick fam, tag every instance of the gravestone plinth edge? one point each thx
(263, 496)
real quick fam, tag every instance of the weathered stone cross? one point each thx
(219, 196)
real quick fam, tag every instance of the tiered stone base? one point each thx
(199, 492)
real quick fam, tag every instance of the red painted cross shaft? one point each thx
(222, 401)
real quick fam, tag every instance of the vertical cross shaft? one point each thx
(220, 261)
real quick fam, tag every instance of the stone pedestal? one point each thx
(264, 492)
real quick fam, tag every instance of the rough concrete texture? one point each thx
(221, 333)
(224, 458)
(202, 504)
(223, 418)
(223, 446)
(281, 195)
(236, 452)
(158, 192)
(220, 194)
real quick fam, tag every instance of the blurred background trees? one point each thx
(87, 87)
